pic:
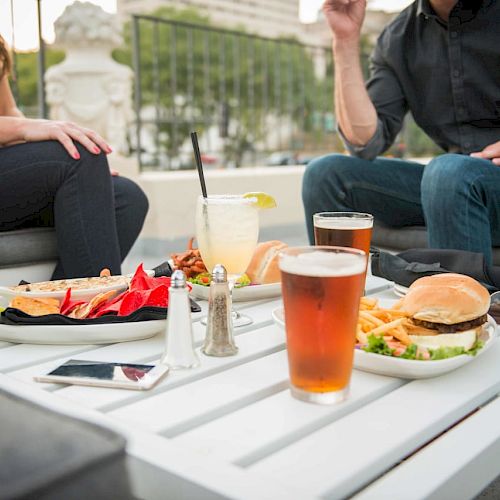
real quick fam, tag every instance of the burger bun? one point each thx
(447, 299)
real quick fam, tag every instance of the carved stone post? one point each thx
(89, 87)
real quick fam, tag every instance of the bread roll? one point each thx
(264, 266)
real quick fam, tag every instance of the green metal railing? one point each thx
(252, 99)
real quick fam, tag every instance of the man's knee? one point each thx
(450, 174)
(323, 169)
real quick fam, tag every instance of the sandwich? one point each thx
(264, 266)
(446, 310)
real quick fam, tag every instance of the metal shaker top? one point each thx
(219, 274)
(178, 279)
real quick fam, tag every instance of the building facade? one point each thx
(269, 18)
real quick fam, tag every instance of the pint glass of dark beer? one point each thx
(343, 229)
(322, 287)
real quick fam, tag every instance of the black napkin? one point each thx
(16, 317)
(406, 267)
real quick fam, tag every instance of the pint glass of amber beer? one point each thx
(322, 287)
(343, 229)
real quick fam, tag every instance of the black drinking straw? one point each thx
(199, 165)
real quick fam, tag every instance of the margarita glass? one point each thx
(227, 230)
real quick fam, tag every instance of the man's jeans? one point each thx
(457, 197)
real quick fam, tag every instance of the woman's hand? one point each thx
(66, 133)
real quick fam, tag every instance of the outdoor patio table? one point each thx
(230, 428)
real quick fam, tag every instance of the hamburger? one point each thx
(264, 266)
(446, 310)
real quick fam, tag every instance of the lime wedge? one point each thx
(261, 200)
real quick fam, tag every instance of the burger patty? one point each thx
(456, 327)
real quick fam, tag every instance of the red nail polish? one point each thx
(97, 150)
(76, 156)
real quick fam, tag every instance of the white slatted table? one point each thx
(230, 429)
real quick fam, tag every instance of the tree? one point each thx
(27, 75)
(195, 76)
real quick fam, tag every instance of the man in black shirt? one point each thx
(439, 59)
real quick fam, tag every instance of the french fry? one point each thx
(386, 327)
(401, 335)
(361, 336)
(366, 303)
(369, 316)
(388, 312)
(393, 324)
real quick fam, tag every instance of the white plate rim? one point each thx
(81, 334)
(400, 290)
(80, 294)
(405, 366)
(246, 293)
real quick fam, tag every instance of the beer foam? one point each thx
(321, 264)
(343, 223)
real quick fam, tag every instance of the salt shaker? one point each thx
(179, 349)
(219, 337)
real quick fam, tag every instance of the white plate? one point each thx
(6, 292)
(251, 292)
(81, 334)
(409, 368)
(400, 290)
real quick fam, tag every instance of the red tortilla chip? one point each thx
(142, 281)
(68, 305)
(157, 297)
(143, 291)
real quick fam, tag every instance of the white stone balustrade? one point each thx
(89, 87)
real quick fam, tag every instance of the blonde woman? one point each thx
(56, 174)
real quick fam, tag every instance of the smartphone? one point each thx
(104, 374)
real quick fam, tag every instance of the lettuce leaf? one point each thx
(446, 352)
(410, 352)
(475, 348)
(204, 279)
(378, 345)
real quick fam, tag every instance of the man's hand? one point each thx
(491, 152)
(345, 17)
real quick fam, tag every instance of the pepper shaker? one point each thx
(179, 348)
(219, 339)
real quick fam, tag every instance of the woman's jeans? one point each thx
(457, 197)
(97, 217)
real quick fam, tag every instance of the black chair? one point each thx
(404, 238)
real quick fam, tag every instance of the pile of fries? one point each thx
(392, 324)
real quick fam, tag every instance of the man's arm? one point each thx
(369, 116)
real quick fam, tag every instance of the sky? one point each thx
(26, 21)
